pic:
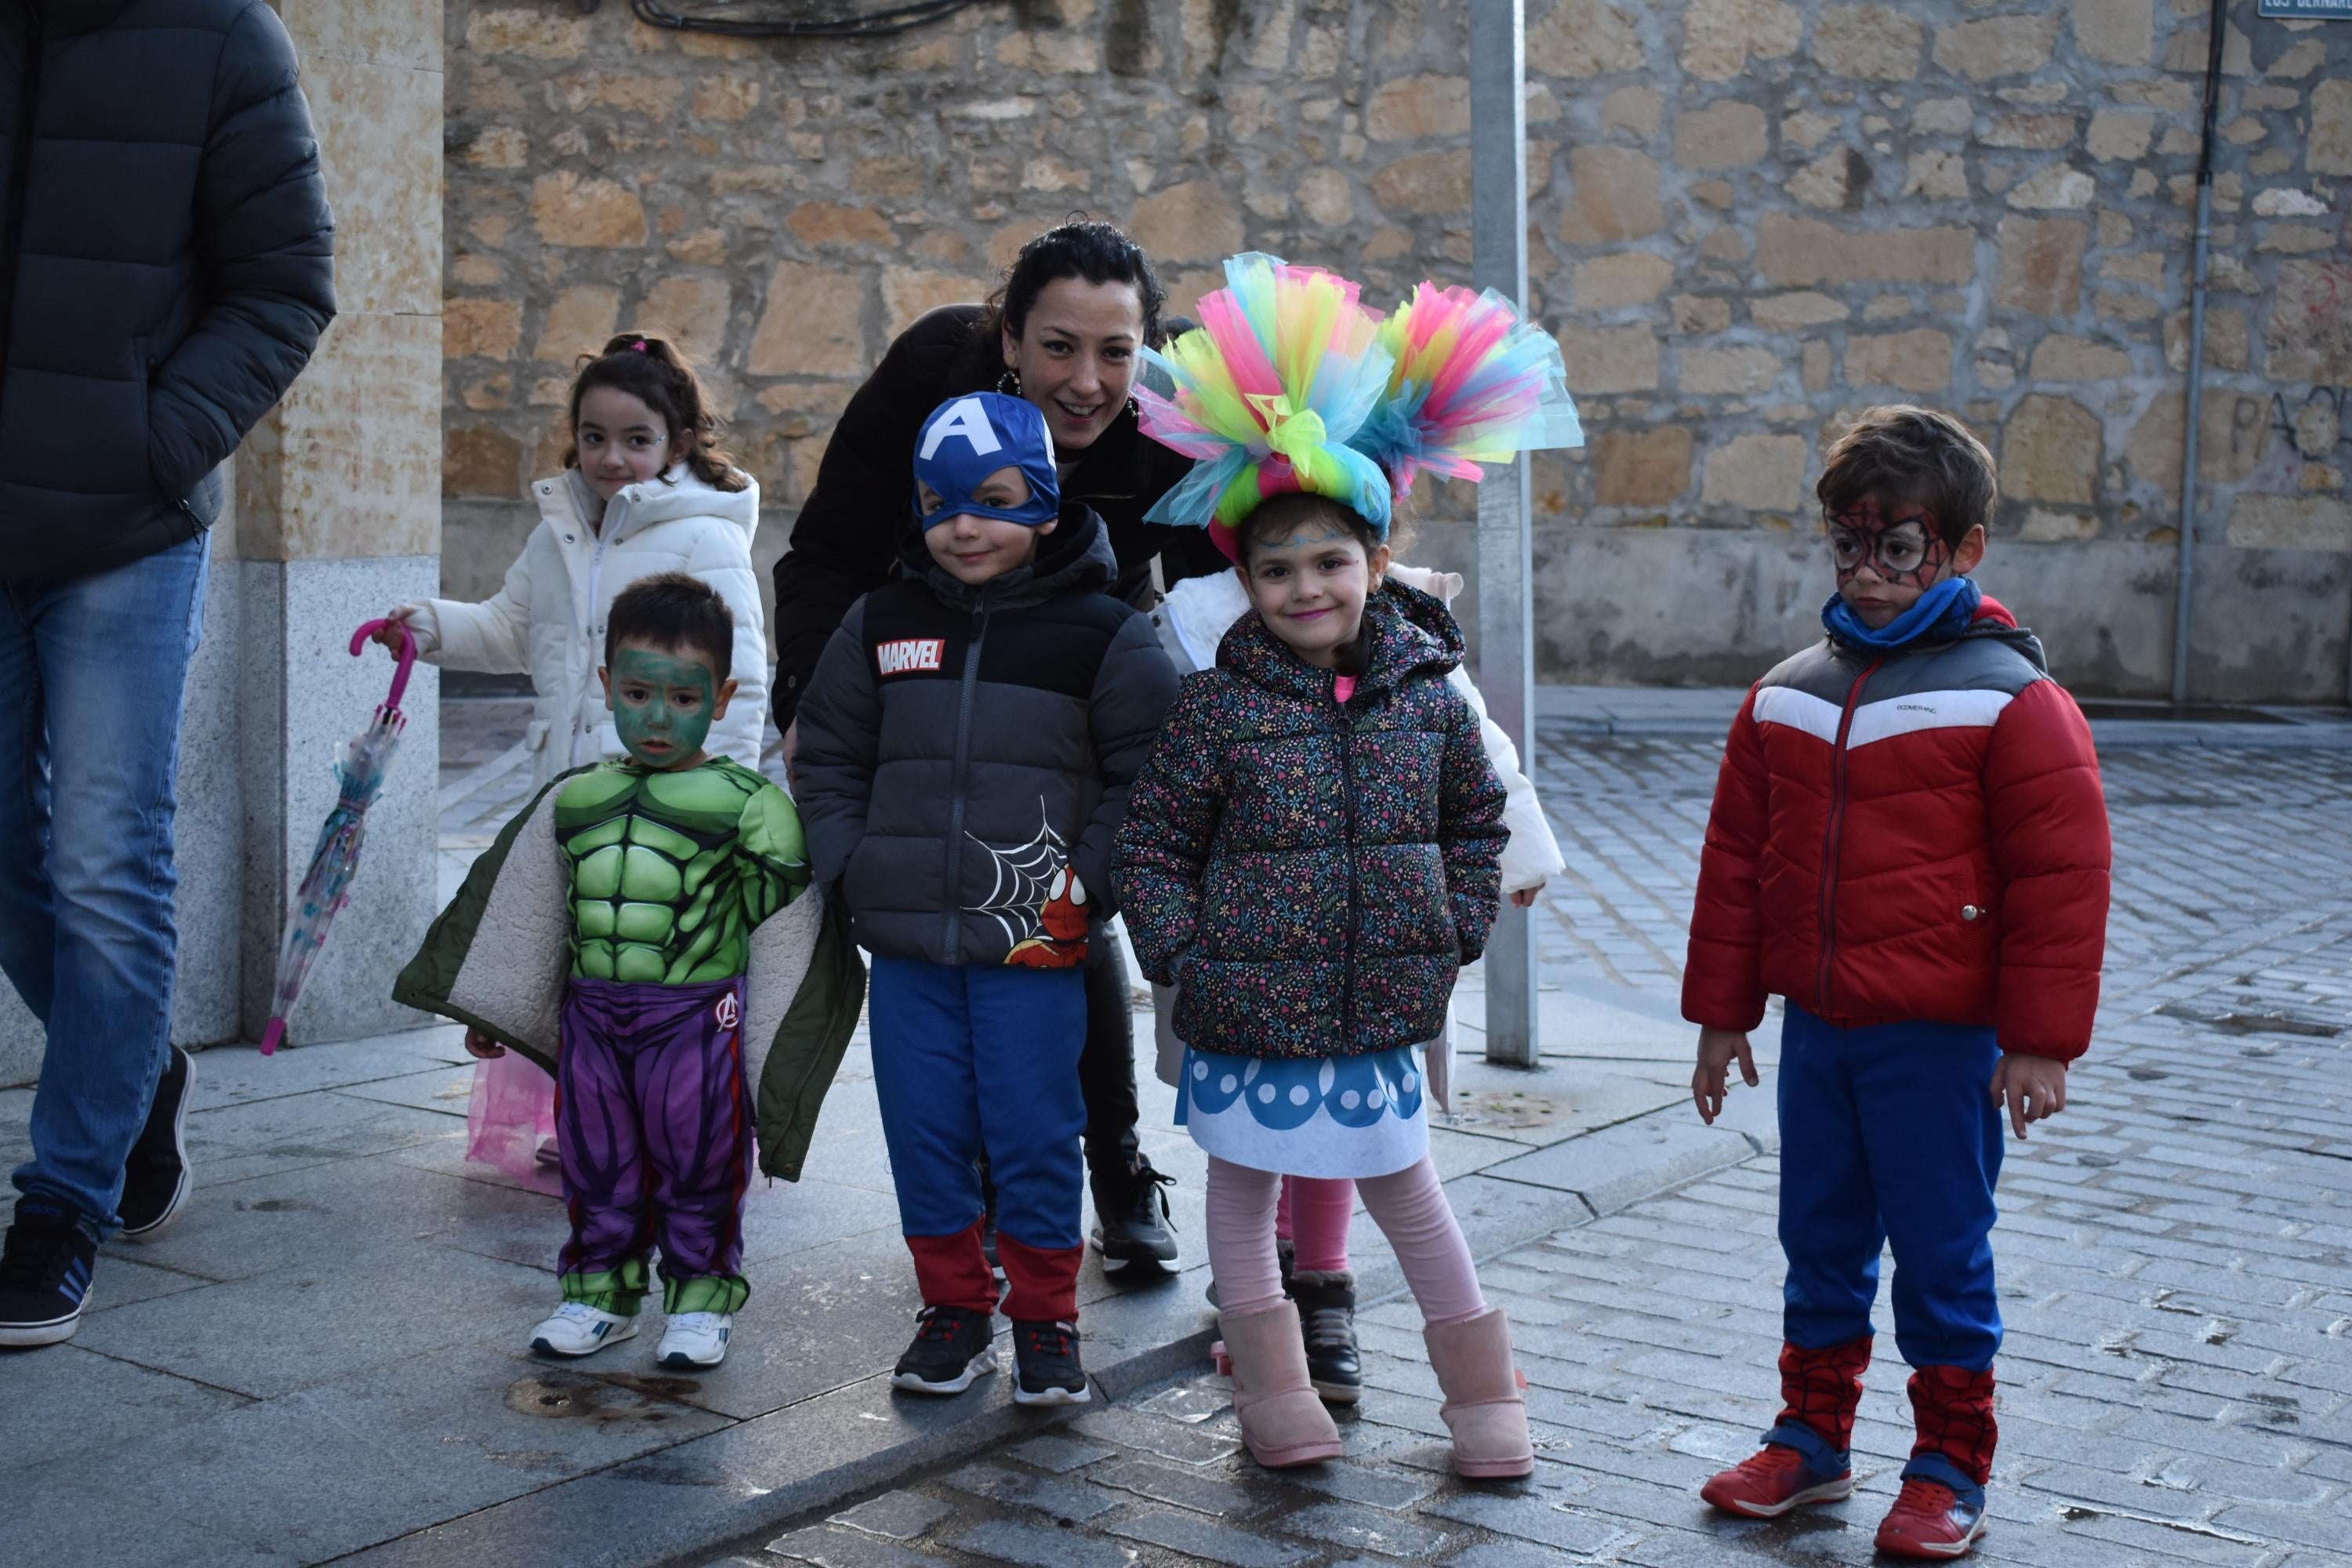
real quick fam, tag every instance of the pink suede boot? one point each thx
(1486, 1400)
(1283, 1421)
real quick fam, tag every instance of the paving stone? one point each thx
(1511, 1555)
(900, 1515)
(1060, 1455)
(1533, 1518)
(826, 1546)
(1064, 1500)
(1189, 1489)
(1154, 1434)
(1348, 1526)
(1353, 1483)
(1037, 1546)
(1208, 1540)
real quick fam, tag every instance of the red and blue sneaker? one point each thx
(1929, 1519)
(1773, 1480)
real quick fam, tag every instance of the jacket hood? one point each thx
(1412, 632)
(679, 493)
(1076, 558)
(1993, 619)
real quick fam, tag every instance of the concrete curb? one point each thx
(760, 1475)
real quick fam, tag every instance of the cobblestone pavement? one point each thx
(2176, 1257)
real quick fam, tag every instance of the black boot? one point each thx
(1132, 1222)
(1327, 1315)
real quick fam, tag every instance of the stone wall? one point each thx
(1749, 218)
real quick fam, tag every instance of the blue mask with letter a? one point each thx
(966, 439)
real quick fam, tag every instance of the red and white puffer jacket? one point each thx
(1907, 834)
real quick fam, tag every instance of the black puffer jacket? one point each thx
(961, 748)
(846, 539)
(166, 265)
(1310, 874)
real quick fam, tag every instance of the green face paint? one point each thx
(661, 705)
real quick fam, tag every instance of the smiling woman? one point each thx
(1064, 331)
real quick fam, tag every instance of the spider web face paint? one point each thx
(1907, 550)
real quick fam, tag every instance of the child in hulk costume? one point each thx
(632, 946)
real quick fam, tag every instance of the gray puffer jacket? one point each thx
(965, 753)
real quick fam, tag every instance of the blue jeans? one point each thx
(1889, 1134)
(91, 674)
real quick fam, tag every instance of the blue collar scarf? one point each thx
(1940, 614)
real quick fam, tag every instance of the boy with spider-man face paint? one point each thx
(1908, 843)
(966, 748)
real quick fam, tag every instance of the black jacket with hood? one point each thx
(846, 538)
(166, 265)
(961, 747)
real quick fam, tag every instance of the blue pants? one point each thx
(1889, 1134)
(91, 673)
(971, 1058)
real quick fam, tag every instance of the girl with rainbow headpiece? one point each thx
(1312, 852)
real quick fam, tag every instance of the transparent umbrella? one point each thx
(328, 883)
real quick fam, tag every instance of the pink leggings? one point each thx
(1409, 1206)
(1312, 1217)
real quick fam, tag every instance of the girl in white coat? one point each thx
(645, 488)
(1311, 1224)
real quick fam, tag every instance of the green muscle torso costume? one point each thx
(669, 871)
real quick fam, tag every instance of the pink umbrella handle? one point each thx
(271, 1036)
(407, 656)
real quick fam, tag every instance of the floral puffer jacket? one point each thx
(1310, 875)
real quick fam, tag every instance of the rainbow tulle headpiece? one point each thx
(1290, 383)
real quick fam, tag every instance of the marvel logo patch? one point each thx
(909, 653)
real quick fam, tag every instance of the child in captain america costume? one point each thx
(671, 859)
(966, 747)
(1908, 843)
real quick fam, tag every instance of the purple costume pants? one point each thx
(653, 1119)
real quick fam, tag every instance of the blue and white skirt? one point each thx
(1312, 1116)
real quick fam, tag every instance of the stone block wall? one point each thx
(1749, 219)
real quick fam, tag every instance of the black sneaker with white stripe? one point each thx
(1045, 1365)
(45, 1269)
(952, 1346)
(155, 1177)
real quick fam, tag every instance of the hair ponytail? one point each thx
(651, 370)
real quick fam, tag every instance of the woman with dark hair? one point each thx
(1063, 332)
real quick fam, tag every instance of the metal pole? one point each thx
(2186, 574)
(1498, 237)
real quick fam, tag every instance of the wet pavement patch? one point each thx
(602, 1402)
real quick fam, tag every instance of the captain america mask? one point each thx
(968, 438)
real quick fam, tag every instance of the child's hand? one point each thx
(1716, 1050)
(480, 1047)
(1525, 899)
(2032, 1087)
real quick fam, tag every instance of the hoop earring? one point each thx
(1009, 383)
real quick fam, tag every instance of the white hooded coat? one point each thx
(548, 621)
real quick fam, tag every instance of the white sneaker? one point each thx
(694, 1339)
(576, 1329)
